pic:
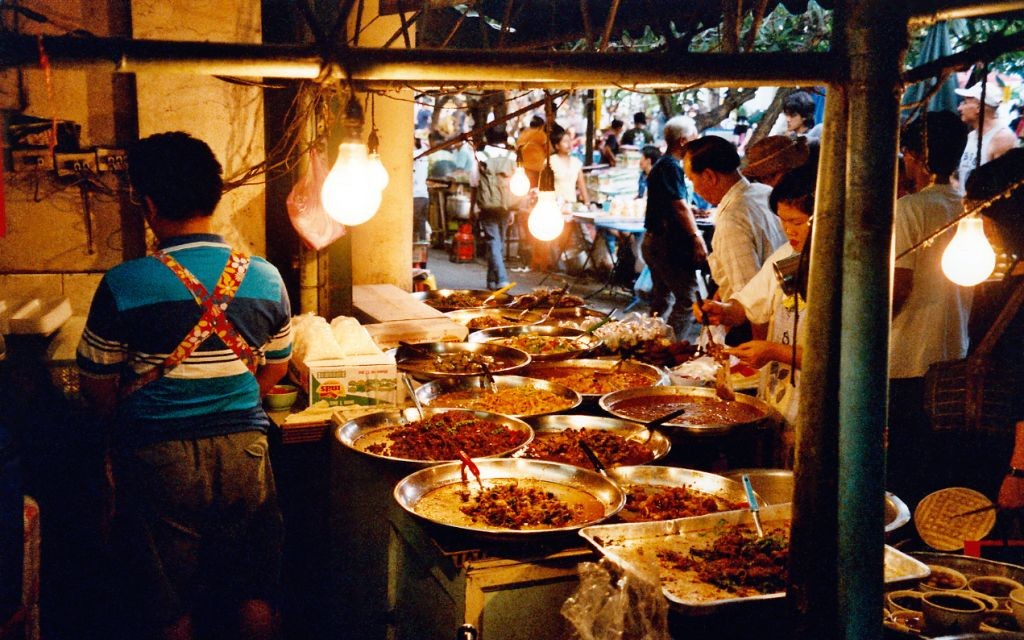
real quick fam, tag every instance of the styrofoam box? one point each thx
(38, 315)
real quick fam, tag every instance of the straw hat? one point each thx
(774, 154)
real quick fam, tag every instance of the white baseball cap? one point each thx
(993, 94)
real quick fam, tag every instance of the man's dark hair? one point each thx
(639, 118)
(617, 124)
(178, 173)
(651, 152)
(946, 135)
(496, 135)
(712, 152)
(536, 121)
(800, 103)
(796, 189)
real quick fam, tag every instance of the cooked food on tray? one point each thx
(514, 401)
(439, 437)
(645, 502)
(738, 561)
(510, 503)
(458, 362)
(612, 449)
(489, 322)
(546, 298)
(700, 409)
(595, 381)
(458, 300)
(540, 345)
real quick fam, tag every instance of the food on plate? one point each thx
(738, 561)
(610, 448)
(700, 410)
(512, 401)
(944, 578)
(439, 437)
(540, 345)
(509, 506)
(458, 362)
(546, 298)
(595, 381)
(458, 300)
(489, 322)
(652, 502)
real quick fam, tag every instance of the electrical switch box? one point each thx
(112, 159)
(76, 163)
(31, 160)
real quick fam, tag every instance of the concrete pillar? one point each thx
(382, 247)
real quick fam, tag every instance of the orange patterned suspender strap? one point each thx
(213, 321)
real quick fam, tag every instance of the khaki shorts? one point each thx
(198, 519)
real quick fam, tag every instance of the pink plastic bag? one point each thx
(308, 216)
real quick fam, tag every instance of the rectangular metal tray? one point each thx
(635, 547)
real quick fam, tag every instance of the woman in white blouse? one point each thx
(568, 169)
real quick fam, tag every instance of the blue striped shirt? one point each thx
(141, 312)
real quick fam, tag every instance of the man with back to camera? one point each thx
(611, 142)
(996, 139)
(673, 246)
(638, 136)
(929, 312)
(178, 350)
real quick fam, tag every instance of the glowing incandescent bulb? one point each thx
(546, 222)
(349, 194)
(520, 184)
(969, 258)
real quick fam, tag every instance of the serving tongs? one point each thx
(723, 379)
(467, 462)
(755, 510)
(420, 351)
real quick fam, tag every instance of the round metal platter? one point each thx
(726, 492)
(505, 359)
(695, 395)
(656, 444)
(505, 317)
(435, 298)
(578, 365)
(364, 431)
(775, 486)
(532, 301)
(582, 343)
(429, 392)
(429, 494)
(570, 314)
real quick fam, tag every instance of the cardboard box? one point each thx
(355, 380)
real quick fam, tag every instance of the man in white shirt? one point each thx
(996, 138)
(746, 230)
(930, 312)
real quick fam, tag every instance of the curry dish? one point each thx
(564, 446)
(700, 410)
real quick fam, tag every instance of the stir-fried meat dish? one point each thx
(458, 362)
(740, 562)
(700, 410)
(510, 506)
(440, 437)
(541, 345)
(457, 300)
(645, 503)
(564, 446)
(547, 298)
(489, 322)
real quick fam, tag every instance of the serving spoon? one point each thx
(657, 422)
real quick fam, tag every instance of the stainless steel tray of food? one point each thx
(593, 378)
(728, 494)
(432, 360)
(487, 318)
(542, 298)
(374, 432)
(451, 299)
(634, 444)
(442, 495)
(972, 567)
(513, 395)
(776, 487)
(708, 415)
(638, 546)
(542, 342)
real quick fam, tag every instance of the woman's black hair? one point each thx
(796, 188)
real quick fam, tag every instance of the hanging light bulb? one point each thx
(519, 185)
(545, 221)
(969, 258)
(351, 194)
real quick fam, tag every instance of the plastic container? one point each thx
(40, 316)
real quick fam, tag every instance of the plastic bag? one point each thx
(614, 604)
(311, 221)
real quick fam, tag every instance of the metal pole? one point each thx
(814, 580)
(876, 32)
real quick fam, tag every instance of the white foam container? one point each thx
(38, 315)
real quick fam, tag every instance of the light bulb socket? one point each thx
(373, 141)
(352, 121)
